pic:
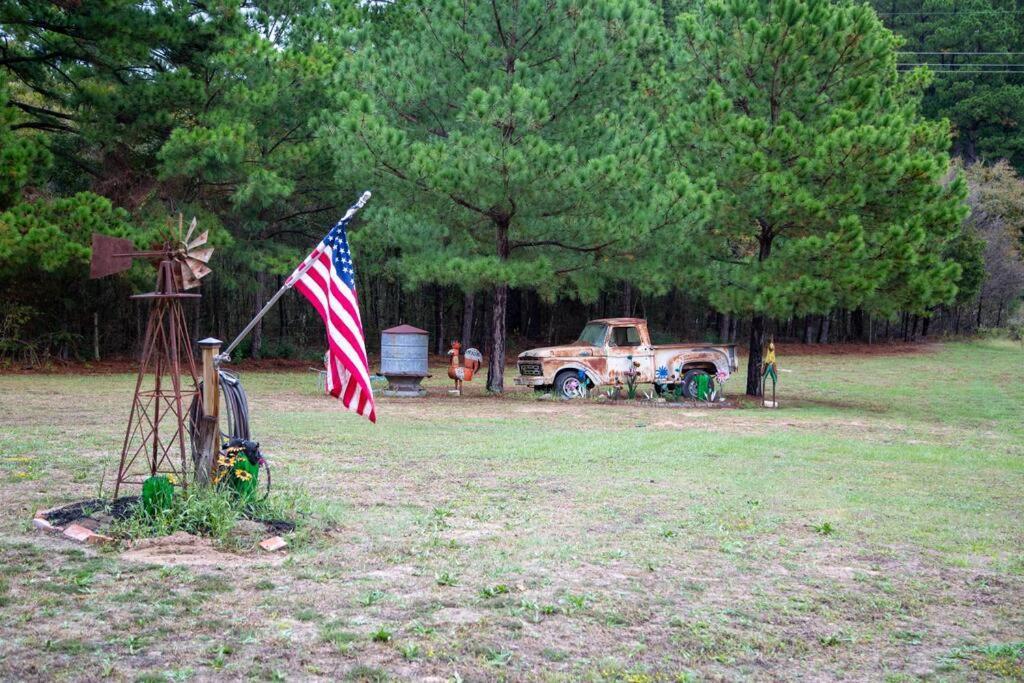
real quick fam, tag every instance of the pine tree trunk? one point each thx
(754, 358)
(439, 344)
(496, 360)
(826, 323)
(756, 347)
(627, 299)
(499, 315)
(468, 306)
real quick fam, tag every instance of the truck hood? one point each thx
(568, 351)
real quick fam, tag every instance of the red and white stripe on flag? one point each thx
(348, 372)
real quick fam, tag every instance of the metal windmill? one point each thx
(154, 440)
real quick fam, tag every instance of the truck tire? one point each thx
(569, 385)
(690, 384)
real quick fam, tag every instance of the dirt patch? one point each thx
(183, 549)
(458, 616)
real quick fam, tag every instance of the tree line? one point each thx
(728, 170)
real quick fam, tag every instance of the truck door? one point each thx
(625, 346)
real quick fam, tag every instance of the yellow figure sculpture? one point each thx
(769, 368)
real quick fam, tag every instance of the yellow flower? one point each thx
(243, 475)
(171, 478)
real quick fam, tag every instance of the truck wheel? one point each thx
(569, 385)
(690, 384)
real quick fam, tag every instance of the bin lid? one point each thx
(404, 329)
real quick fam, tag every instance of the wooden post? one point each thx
(209, 427)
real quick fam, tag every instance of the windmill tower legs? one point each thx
(155, 439)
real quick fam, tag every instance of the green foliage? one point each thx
(23, 158)
(200, 511)
(53, 237)
(157, 495)
(828, 184)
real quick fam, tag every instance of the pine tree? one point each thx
(498, 138)
(829, 187)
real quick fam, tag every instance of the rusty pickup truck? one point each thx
(606, 349)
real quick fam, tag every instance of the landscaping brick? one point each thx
(273, 543)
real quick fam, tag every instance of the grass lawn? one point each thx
(870, 529)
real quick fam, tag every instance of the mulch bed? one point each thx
(123, 507)
(117, 509)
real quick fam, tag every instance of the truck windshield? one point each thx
(593, 334)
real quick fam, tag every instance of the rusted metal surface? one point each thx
(602, 358)
(155, 439)
(110, 255)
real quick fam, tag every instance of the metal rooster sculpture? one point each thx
(462, 373)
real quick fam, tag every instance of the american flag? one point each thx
(327, 279)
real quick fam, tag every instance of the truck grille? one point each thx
(530, 370)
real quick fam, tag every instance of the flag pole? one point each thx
(225, 357)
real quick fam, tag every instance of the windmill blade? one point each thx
(202, 255)
(198, 269)
(188, 279)
(191, 229)
(199, 241)
(110, 255)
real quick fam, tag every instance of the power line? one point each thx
(963, 64)
(950, 12)
(922, 52)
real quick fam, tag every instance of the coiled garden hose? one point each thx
(235, 418)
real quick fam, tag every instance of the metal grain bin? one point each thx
(403, 360)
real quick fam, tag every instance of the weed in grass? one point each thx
(306, 614)
(200, 511)
(69, 646)
(381, 635)
(211, 583)
(831, 639)
(908, 637)
(366, 674)
(219, 656)
(824, 529)
(438, 520)
(446, 579)
(1005, 660)
(264, 585)
(576, 603)
(421, 629)
(498, 657)
(553, 655)
(410, 651)
(488, 592)
(341, 639)
(372, 598)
